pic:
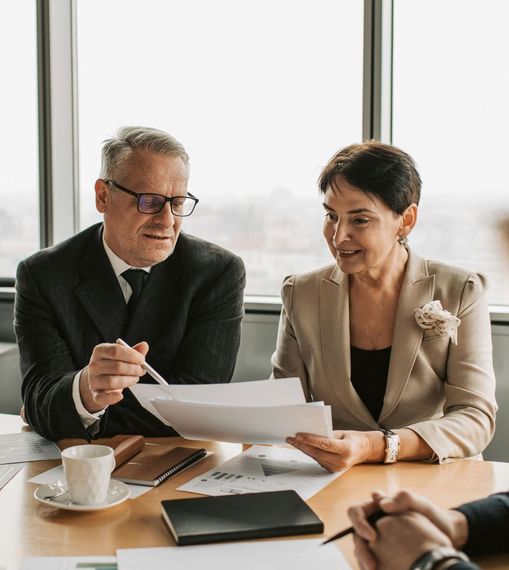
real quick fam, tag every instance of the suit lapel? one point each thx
(156, 302)
(417, 290)
(99, 291)
(335, 340)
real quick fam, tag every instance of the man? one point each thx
(74, 299)
(418, 535)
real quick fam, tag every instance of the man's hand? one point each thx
(345, 449)
(401, 539)
(452, 523)
(111, 369)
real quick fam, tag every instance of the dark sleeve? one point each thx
(46, 364)
(208, 351)
(464, 566)
(488, 525)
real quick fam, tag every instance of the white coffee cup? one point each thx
(88, 472)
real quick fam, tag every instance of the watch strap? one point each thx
(391, 445)
(430, 560)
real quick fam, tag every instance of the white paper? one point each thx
(7, 472)
(256, 393)
(286, 391)
(26, 446)
(264, 411)
(57, 474)
(70, 563)
(254, 555)
(245, 424)
(263, 469)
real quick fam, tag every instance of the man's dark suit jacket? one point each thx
(68, 300)
(488, 524)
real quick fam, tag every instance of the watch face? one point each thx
(392, 447)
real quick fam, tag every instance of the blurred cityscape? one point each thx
(279, 233)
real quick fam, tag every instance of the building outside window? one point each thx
(19, 183)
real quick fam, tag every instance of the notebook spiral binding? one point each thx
(198, 454)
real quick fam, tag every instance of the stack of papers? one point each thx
(16, 448)
(254, 555)
(26, 446)
(265, 411)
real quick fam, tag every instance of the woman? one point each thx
(398, 346)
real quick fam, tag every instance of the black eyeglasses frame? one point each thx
(170, 199)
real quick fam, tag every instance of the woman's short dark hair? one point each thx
(376, 168)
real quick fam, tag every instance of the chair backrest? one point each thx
(10, 379)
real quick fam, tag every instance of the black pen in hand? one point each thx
(372, 518)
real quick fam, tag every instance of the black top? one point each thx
(370, 369)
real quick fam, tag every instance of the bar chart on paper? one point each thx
(263, 468)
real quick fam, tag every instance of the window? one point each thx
(19, 204)
(261, 94)
(451, 113)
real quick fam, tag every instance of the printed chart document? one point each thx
(26, 446)
(264, 411)
(70, 563)
(263, 469)
(269, 555)
(7, 472)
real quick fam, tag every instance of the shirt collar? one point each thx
(119, 265)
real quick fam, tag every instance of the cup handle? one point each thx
(113, 464)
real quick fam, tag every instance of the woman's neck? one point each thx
(386, 277)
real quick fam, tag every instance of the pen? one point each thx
(372, 518)
(155, 375)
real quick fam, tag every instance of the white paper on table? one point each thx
(245, 424)
(26, 446)
(57, 474)
(263, 469)
(285, 391)
(70, 563)
(7, 472)
(254, 555)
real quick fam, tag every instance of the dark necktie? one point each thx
(136, 279)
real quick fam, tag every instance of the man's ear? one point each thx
(101, 195)
(408, 221)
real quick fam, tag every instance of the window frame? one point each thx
(58, 117)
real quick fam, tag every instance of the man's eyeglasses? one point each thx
(181, 206)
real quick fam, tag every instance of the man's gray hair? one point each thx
(129, 140)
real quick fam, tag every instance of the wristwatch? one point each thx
(391, 446)
(431, 559)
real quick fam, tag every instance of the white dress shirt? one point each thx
(119, 266)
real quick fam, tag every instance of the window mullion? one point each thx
(57, 120)
(378, 63)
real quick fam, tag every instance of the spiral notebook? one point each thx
(156, 463)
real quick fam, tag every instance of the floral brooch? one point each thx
(433, 317)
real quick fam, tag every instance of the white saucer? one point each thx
(118, 492)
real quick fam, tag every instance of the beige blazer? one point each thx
(444, 392)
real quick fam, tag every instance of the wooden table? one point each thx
(28, 528)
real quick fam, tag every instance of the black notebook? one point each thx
(237, 517)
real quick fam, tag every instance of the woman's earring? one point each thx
(402, 239)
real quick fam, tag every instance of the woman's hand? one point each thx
(345, 449)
